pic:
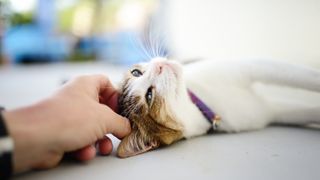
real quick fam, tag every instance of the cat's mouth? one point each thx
(168, 67)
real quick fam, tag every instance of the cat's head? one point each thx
(148, 96)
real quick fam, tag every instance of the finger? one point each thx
(108, 94)
(96, 84)
(115, 124)
(111, 101)
(104, 146)
(104, 86)
(49, 162)
(85, 154)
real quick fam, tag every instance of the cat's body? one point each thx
(252, 94)
(247, 95)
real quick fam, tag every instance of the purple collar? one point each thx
(205, 110)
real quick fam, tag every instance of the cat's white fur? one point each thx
(248, 95)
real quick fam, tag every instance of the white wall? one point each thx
(278, 29)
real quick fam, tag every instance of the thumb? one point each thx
(115, 124)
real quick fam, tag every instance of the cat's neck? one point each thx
(192, 119)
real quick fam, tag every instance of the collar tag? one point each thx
(216, 121)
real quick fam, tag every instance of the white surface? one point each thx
(21, 85)
(286, 29)
(273, 153)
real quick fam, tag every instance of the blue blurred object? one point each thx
(87, 45)
(36, 42)
(30, 43)
(46, 15)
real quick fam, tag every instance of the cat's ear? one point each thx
(135, 144)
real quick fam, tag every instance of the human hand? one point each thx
(72, 120)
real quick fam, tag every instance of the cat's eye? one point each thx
(136, 73)
(149, 95)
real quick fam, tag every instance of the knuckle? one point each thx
(81, 78)
(103, 78)
(99, 76)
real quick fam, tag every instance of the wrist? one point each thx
(23, 138)
(30, 144)
(6, 150)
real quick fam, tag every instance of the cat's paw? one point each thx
(228, 127)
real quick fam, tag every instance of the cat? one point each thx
(156, 98)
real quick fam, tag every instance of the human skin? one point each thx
(74, 119)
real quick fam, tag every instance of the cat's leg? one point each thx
(244, 111)
(291, 75)
(290, 105)
(301, 116)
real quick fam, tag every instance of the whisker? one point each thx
(139, 47)
(151, 43)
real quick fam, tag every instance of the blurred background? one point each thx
(34, 31)
(271, 29)
(37, 31)
(45, 42)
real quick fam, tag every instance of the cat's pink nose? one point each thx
(159, 68)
